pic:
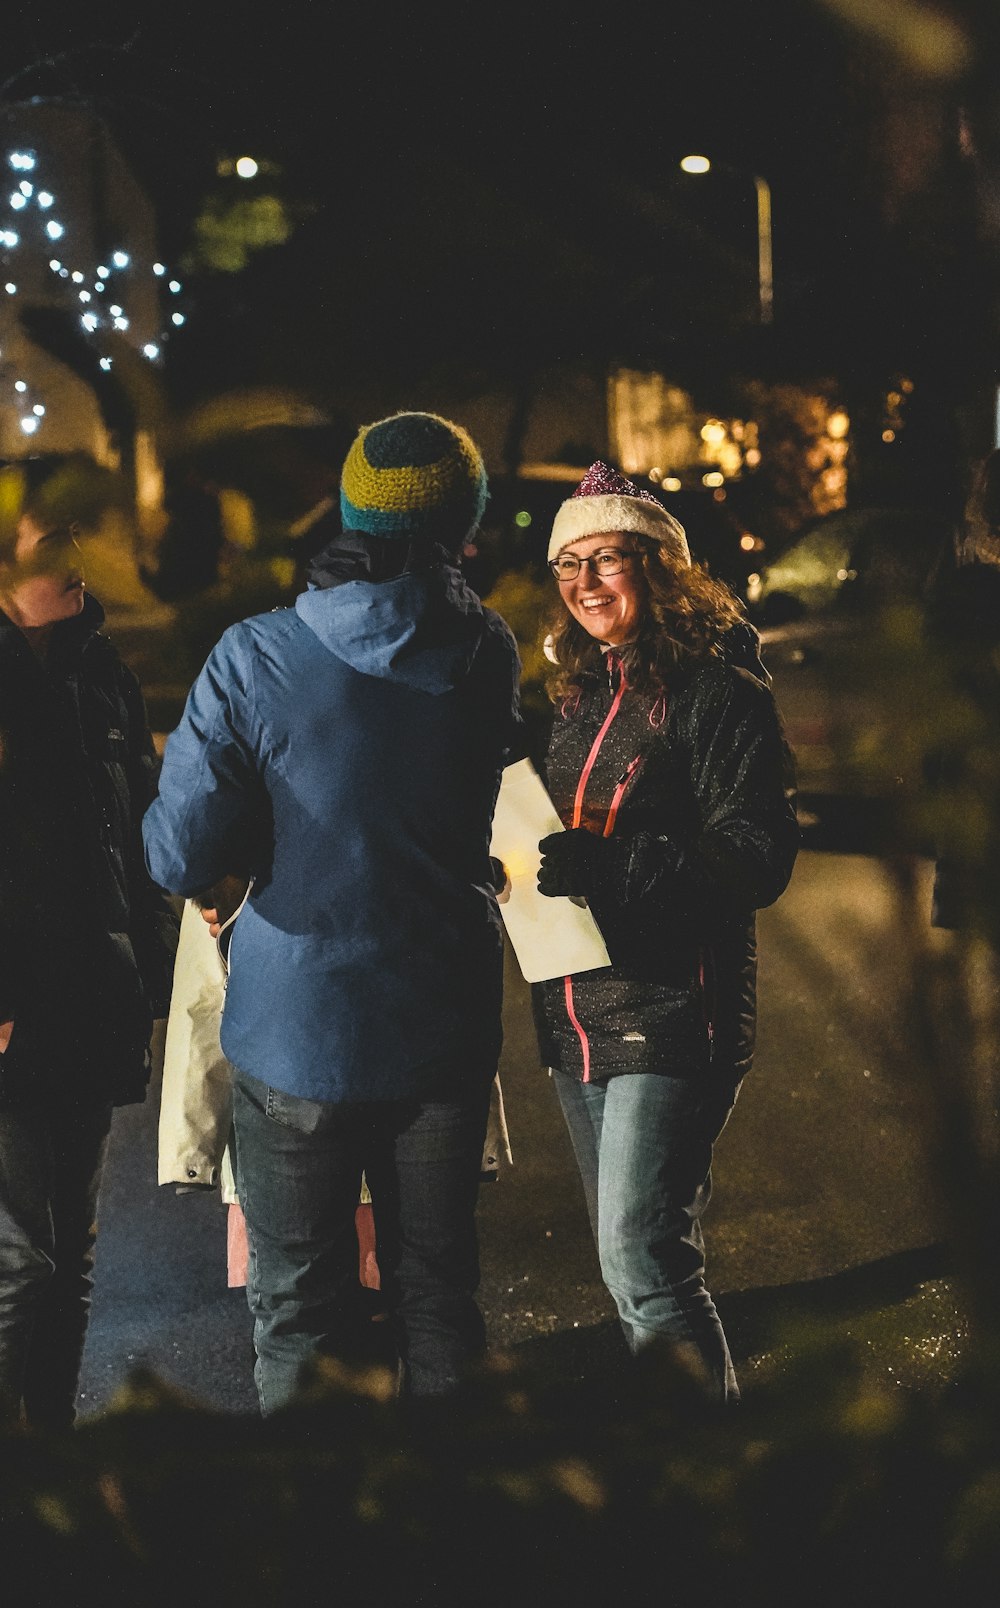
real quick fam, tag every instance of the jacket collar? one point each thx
(69, 638)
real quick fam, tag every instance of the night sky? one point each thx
(510, 175)
(534, 101)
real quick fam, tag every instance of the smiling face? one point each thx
(609, 607)
(42, 582)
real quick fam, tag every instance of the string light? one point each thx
(22, 199)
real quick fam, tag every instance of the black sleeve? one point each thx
(742, 855)
(155, 919)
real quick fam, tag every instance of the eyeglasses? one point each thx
(610, 561)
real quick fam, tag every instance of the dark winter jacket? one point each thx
(86, 939)
(688, 796)
(349, 750)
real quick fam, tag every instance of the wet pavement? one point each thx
(822, 1219)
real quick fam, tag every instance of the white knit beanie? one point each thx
(606, 501)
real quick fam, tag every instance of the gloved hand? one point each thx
(570, 862)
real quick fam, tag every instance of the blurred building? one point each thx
(86, 307)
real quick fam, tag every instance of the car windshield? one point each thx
(863, 559)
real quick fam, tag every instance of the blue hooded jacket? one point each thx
(348, 751)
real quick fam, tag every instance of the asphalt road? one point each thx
(820, 1185)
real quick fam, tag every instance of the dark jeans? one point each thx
(643, 1144)
(51, 1162)
(298, 1177)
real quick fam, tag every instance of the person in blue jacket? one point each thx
(347, 751)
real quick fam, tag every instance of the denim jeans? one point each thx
(51, 1162)
(298, 1177)
(643, 1144)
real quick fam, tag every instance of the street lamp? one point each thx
(765, 279)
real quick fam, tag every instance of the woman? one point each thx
(86, 939)
(668, 767)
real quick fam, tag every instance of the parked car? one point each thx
(838, 613)
(717, 533)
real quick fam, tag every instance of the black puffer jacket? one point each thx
(696, 788)
(86, 938)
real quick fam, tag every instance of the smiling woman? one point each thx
(666, 766)
(601, 584)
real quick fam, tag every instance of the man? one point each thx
(347, 752)
(86, 940)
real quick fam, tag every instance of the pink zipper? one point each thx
(619, 794)
(590, 761)
(584, 1040)
(581, 788)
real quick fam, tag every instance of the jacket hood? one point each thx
(421, 630)
(741, 648)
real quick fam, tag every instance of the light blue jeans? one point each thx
(643, 1144)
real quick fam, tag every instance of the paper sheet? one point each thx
(550, 937)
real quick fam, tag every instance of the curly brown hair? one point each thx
(686, 614)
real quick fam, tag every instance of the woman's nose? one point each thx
(587, 578)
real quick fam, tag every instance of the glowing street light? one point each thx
(765, 276)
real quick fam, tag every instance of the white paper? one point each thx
(550, 937)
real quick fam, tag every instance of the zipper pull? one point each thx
(629, 771)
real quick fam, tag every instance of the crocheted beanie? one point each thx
(413, 474)
(606, 501)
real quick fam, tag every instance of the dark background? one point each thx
(475, 187)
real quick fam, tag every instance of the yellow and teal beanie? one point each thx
(414, 474)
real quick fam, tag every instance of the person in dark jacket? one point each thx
(348, 751)
(668, 767)
(86, 939)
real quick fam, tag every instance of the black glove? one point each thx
(570, 862)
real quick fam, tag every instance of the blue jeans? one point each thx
(643, 1144)
(51, 1162)
(298, 1176)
